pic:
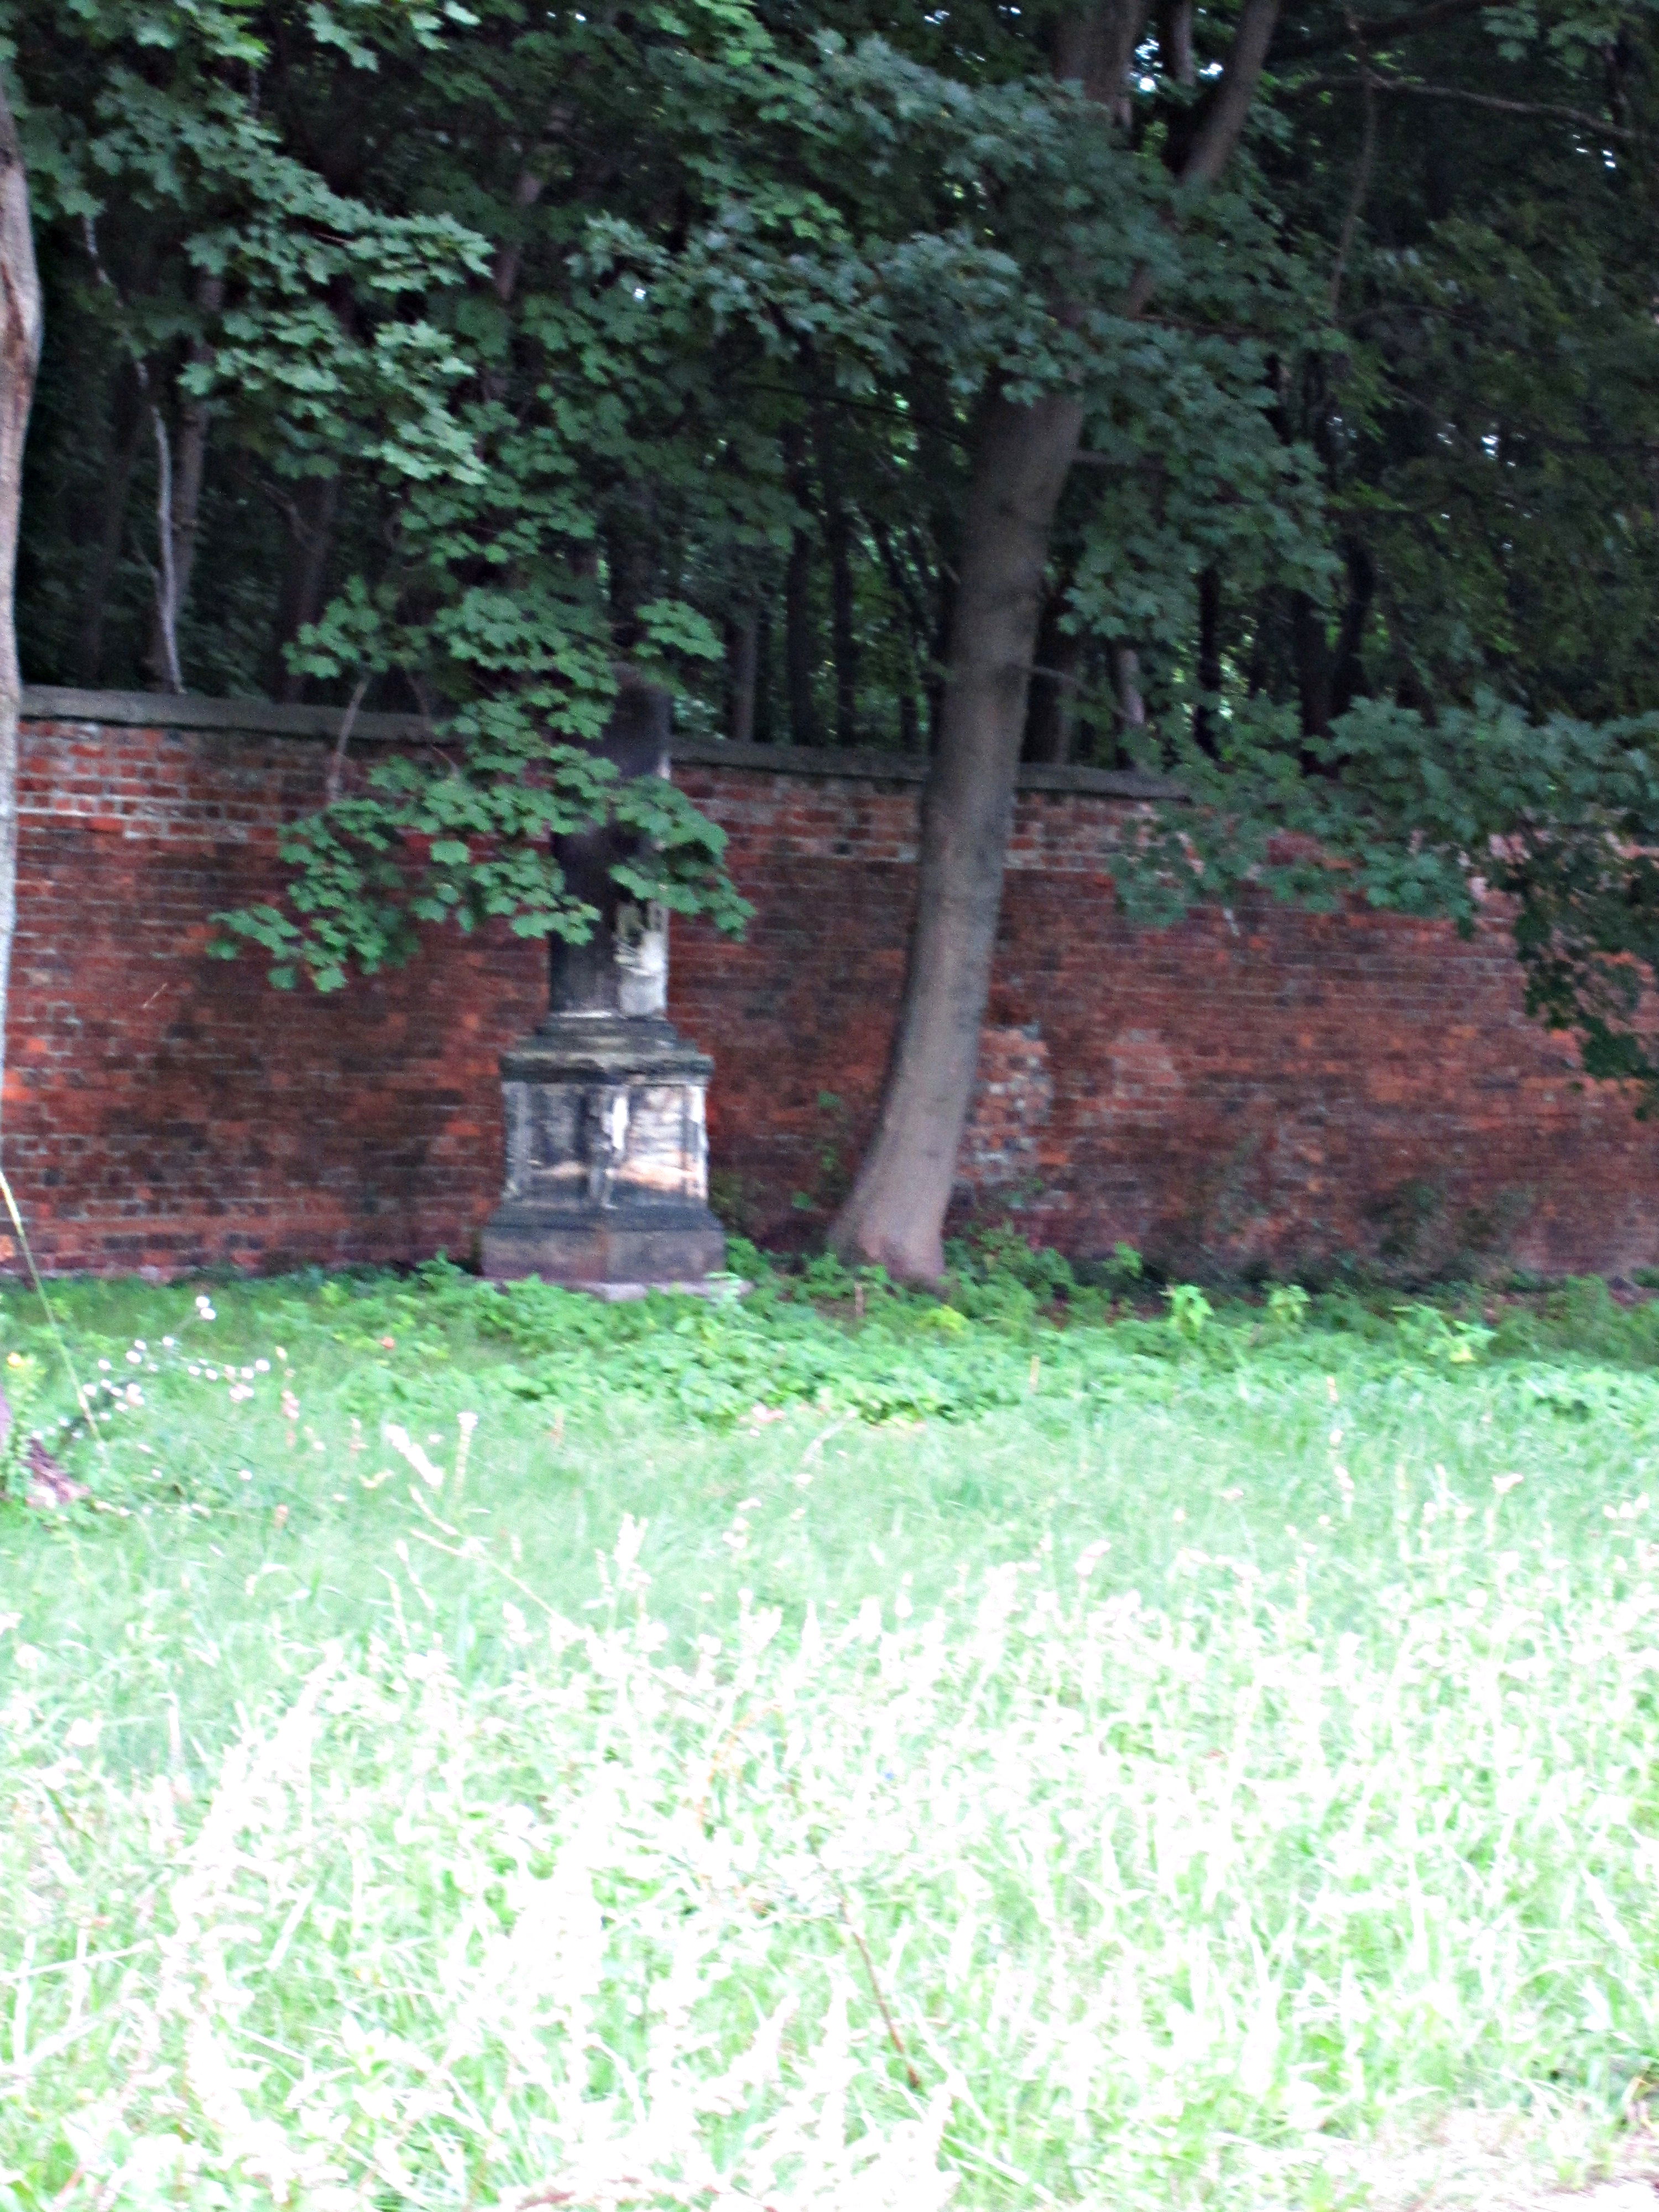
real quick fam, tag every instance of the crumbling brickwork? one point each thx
(1267, 1090)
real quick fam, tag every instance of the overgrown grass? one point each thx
(822, 1752)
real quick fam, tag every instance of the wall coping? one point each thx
(47, 702)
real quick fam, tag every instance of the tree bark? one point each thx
(894, 1216)
(20, 321)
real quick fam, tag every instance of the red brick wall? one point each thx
(1275, 1090)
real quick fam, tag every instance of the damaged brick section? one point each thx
(1003, 1146)
(1271, 1091)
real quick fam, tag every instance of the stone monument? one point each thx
(607, 1154)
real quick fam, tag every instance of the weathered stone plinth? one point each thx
(607, 1154)
(607, 1158)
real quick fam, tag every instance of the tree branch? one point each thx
(1379, 31)
(1545, 109)
(1223, 125)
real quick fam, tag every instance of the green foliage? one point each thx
(1428, 1333)
(20, 1381)
(462, 841)
(515, 347)
(1190, 1311)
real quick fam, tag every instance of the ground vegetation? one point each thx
(1067, 1746)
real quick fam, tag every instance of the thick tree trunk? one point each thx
(20, 356)
(895, 1215)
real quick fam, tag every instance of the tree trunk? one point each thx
(184, 464)
(895, 1215)
(310, 517)
(1126, 684)
(126, 430)
(1052, 707)
(1175, 41)
(798, 640)
(1205, 734)
(742, 661)
(898, 583)
(765, 731)
(19, 357)
(838, 543)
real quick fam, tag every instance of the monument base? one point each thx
(607, 1163)
(592, 1248)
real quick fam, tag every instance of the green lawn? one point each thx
(843, 1755)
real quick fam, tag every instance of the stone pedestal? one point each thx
(607, 1158)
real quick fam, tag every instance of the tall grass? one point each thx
(555, 1757)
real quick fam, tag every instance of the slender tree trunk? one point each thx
(765, 731)
(838, 542)
(19, 357)
(1050, 712)
(798, 654)
(895, 1213)
(1209, 657)
(183, 466)
(742, 640)
(916, 631)
(1347, 668)
(127, 429)
(1126, 683)
(311, 518)
(193, 420)
(798, 640)
(843, 631)
(1313, 663)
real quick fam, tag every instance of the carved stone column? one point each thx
(607, 1155)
